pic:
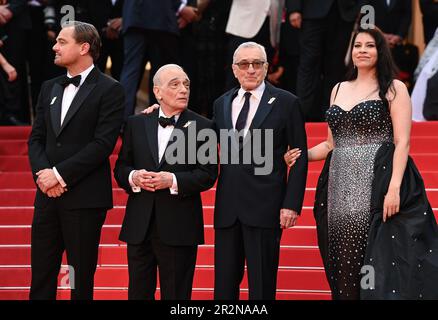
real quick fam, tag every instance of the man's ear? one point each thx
(85, 48)
(157, 93)
(235, 68)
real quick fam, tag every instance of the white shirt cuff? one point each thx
(59, 178)
(174, 188)
(182, 5)
(134, 188)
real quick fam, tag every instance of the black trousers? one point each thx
(176, 266)
(160, 47)
(323, 47)
(260, 248)
(54, 230)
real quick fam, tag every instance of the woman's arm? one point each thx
(318, 152)
(401, 115)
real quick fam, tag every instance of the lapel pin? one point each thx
(187, 124)
(271, 100)
(53, 101)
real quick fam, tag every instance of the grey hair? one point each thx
(250, 44)
(157, 80)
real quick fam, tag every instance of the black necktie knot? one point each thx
(164, 122)
(74, 81)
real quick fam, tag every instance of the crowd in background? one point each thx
(306, 41)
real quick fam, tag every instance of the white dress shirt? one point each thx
(246, 17)
(70, 92)
(254, 101)
(163, 137)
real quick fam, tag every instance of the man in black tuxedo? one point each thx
(78, 120)
(163, 223)
(326, 27)
(251, 209)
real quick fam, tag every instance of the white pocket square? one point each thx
(187, 124)
(271, 100)
(53, 101)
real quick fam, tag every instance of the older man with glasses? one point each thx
(251, 210)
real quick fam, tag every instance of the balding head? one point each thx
(157, 77)
(172, 88)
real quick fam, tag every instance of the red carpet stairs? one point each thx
(300, 276)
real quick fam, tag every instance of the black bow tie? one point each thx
(164, 122)
(74, 81)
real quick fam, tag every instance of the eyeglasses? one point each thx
(244, 65)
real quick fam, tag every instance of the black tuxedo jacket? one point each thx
(396, 18)
(316, 9)
(80, 148)
(151, 15)
(256, 200)
(179, 218)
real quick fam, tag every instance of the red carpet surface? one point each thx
(300, 276)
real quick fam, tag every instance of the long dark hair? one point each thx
(386, 70)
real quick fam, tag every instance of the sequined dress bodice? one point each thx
(357, 136)
(368, 122)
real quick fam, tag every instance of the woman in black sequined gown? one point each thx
(368, 110)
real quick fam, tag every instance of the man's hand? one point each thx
(288, 218)
(115, 24)
(274, 77)
(10, 71)
(141, 178)
(295, 20)
(56, 191)
(189, 14)
(161, 180)
(46, 179)
(152, 181)
(395, 40)
(5, 14)
(112, 32)
(151, 109)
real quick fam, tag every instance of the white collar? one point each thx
(257, 92)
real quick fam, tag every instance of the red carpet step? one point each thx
(300, 275)
(303, 257)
